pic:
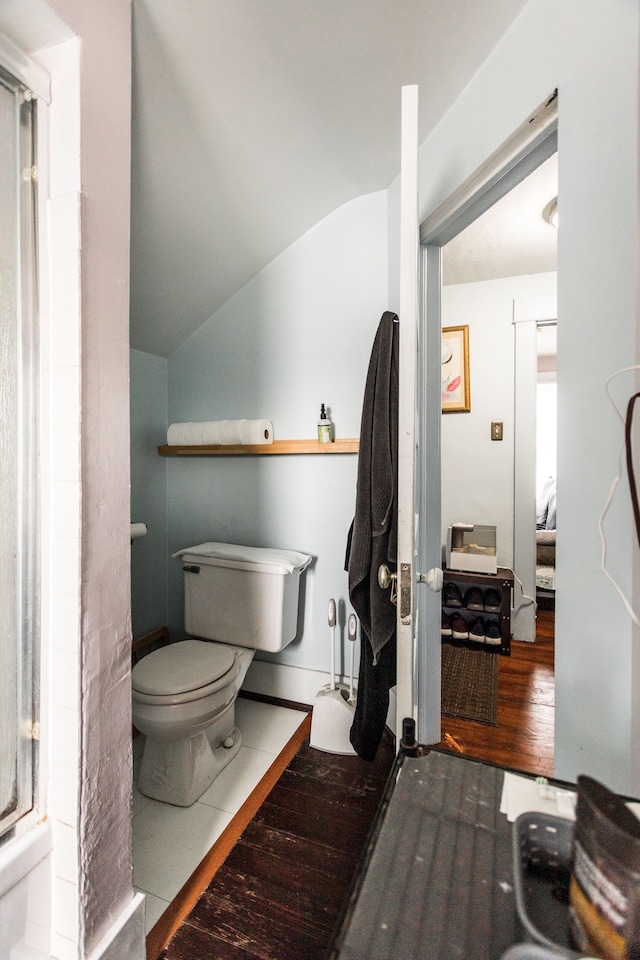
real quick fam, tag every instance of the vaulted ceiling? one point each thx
(255, 119)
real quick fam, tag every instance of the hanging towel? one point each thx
(375, 680)
(372, 539)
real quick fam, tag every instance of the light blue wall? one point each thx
(301, 334)
(148, 491)
(298, 335)
(571, 46)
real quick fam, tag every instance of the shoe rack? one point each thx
(502, 582)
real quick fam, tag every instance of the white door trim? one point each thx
(409, 250)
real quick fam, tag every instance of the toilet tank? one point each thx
(246, 596)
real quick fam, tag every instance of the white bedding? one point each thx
(546, 578)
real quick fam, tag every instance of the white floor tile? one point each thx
(235, 783)
(169, 843)
(265, 726)
(154, 907)
(139, 801)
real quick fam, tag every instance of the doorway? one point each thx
(499, 280)
(481, 467)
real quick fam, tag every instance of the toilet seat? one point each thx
(184, 671)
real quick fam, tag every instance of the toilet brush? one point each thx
(352, 645)
(334, 704)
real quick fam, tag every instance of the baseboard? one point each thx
(284, 682)
(279, 681)
(126, 938)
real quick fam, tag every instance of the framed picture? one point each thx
(456, 396)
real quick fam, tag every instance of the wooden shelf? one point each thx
(261, 449)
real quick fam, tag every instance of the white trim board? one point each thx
(285, 682)
(298, 685)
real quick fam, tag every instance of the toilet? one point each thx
(237, 600)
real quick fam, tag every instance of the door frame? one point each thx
(534, 142)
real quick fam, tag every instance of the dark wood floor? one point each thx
(524, 736)
(281, 891)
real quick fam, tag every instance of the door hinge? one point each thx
(30, 174)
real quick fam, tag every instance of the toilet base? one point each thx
(179, 771)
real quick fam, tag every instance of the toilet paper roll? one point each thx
(256, 431)
(138, 530)
(213, 432)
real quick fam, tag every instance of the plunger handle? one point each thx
(332, 612)
(332, 641)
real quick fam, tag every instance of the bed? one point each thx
(545, 560)
(546, 539)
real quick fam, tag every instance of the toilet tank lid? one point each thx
(283, 561)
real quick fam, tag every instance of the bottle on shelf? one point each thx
(324, 426)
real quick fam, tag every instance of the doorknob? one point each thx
(433, 579)
(387, 579)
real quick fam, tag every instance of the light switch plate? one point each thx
(496, 429)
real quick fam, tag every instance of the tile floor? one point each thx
(169, 842)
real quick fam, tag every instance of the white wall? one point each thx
(98, 897)
(477, 472)
(298, 335)
(588, 50)
(87, 903)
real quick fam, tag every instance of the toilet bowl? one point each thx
(184, 699)
(237, 600)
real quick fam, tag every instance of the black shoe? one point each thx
(445, 629)
(476, 630)
(492, 601)
(492, 633)
(473, 599)
(452, 595)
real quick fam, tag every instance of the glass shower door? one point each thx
(17, 453)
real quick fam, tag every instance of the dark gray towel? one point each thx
(373, 536)
(372, 540)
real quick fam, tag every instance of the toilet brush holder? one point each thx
(334, 704)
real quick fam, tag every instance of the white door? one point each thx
(419, 520)
(419, 553)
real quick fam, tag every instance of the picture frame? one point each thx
(455, 379)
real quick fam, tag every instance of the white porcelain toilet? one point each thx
(237, 600)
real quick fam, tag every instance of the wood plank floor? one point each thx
(280, 892)
(524, 736)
